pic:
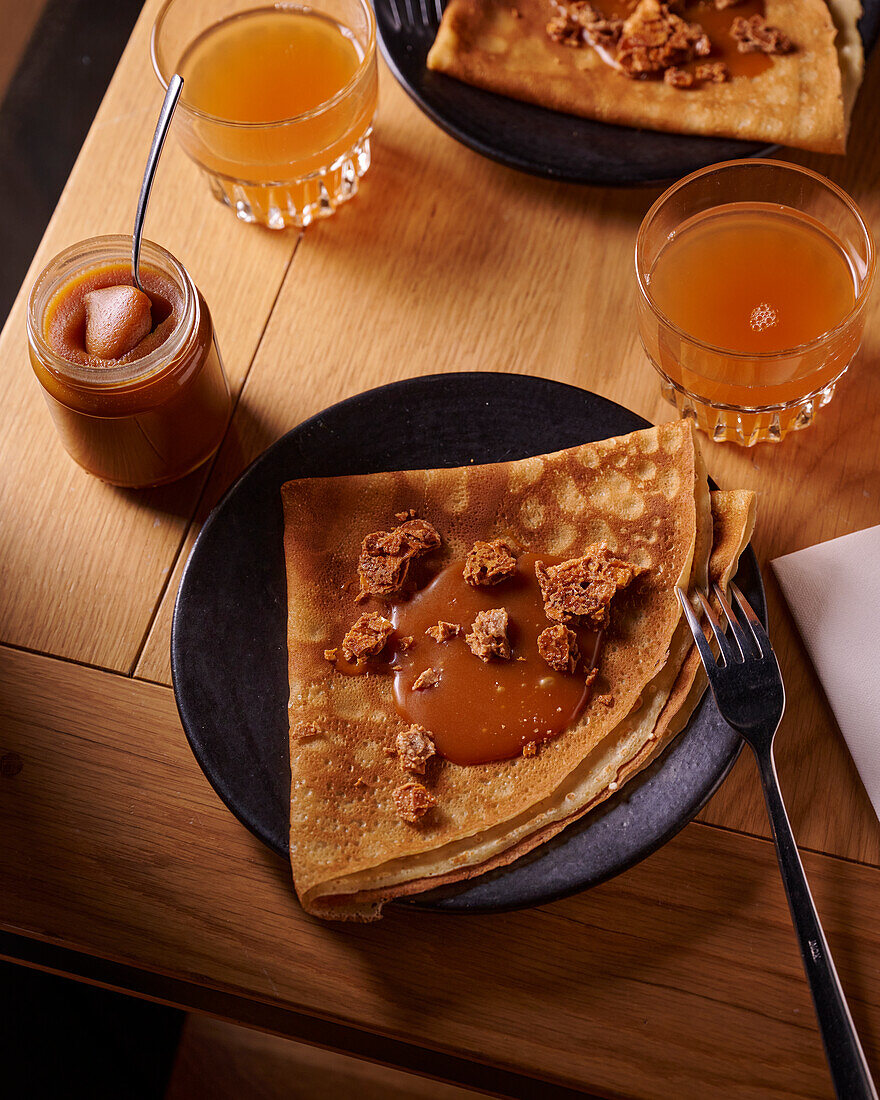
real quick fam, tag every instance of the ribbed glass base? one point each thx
(296, 202)
(726, 424)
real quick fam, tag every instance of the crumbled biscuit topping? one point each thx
(712, 72)
(488, 637)
(578, 22)
(753, 35)
(582, 588)
(443, 631)
(415, 748)
(559, 648)
(412, 801)
(678, 78)
(386, 556)
(406, 643)
(402, 517)
(331, 654)
(367, 637)
(430, 678)
(530, 748)
(489, 563)
(655, 38)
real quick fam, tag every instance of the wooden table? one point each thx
(119, 865)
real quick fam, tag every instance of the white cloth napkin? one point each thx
(833, 590)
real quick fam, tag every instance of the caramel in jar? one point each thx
(155, 413)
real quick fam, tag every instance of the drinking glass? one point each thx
(290, 171)
(755, 397)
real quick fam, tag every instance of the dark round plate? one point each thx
(540, 141)
(228, 639)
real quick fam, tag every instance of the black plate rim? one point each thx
(869, 28)
(440, 899)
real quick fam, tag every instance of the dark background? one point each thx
(45, 116)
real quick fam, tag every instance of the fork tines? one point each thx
(749, 641)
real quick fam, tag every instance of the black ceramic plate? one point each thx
(228, 641)
(543, 142)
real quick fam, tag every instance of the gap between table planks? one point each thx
(680, 977)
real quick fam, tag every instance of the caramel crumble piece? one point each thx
(402, 517)
(331, 654)
(559, 648)
(415, 748)
(367, 637)
(678, 78)
(712, 72)
(412, 801)
(530, 748)
(578, 23)
(406, 643)
(430, 678)
(488, 637)
(565, 31)
(655, 38)
(387, 555)
(754, 36)
(582, 588)
(443, 631)
(605, 700)
(489, 563)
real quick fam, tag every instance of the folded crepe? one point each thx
(802, 98)
(645, 497)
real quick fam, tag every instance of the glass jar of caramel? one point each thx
(139, 415)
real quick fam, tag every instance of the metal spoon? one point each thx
(175, 86)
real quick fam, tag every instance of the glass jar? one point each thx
(144, 419)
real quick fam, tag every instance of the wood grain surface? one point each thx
(679, 978)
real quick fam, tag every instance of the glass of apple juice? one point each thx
(753, 277)
(278, 101)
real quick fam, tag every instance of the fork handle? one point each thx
(846, 1059)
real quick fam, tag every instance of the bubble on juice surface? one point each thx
(762, 317)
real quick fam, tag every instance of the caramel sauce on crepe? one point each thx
(717, 25)
(481, 710)
(486, 710)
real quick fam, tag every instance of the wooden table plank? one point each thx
(680, 977)
(84, 563)
(498, 271)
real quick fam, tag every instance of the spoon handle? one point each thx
(175, 86)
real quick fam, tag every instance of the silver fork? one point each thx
(747, 686)
(419, 17)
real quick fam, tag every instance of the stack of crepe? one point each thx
(803, 98)
(644, 496)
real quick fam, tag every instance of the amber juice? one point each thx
(755, 280)
(277, 103)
